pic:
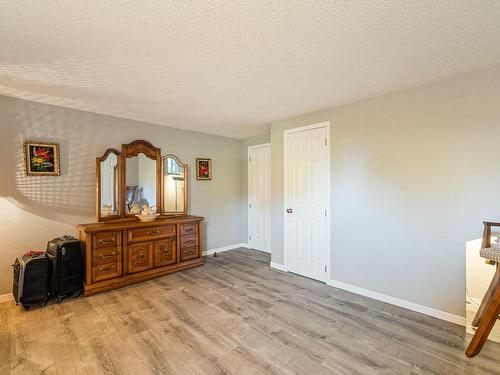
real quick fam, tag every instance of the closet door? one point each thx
(259, 197)
(306, 201)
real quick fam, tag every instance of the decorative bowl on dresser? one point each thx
(120, 249)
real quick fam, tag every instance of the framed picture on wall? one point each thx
(41, 159)
(203, 169)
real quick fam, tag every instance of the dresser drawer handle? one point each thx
(107, 270)
(107, 242)
(190, 252)
(190, 242)
(153, 233)
(108, 256)
(188, 230)
(165, 251)
(140, 257)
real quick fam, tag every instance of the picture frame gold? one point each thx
(204, 169)
(41, 158)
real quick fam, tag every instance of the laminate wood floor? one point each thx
(235, 315)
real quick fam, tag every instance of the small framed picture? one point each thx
(41, 159)
(203, 169)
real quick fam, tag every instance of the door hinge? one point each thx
(250, 238)
(326, 142)
(250, 205)
(325, 267)
(326, 213)
(249, 159)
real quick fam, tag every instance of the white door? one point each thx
(259, 197)
(306, 200)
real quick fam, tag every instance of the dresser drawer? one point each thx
(140, 257)
(165, 252)
(189, 241)
(152, 233)
(189, 228)
(106, 271)
(189, 253)
(106, 239)
(106, 255)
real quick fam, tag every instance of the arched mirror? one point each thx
(174, 186)
(141, 176)
(108, 175)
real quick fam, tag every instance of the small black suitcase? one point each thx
(31, 280)
(67, 267)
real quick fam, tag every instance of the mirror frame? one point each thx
(186, 185)
(119, 210)
(133, 149)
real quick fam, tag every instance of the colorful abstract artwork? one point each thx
(41, 159)
(203, 169)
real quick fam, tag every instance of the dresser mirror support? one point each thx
(174, 186)
(108, 183)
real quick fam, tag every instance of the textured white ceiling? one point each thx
(229, 67)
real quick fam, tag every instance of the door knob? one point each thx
(289, 210)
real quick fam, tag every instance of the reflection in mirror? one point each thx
(140, 183)
(174, 185)
(109, 185)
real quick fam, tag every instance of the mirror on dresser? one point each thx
(174, 186)
(108, 176)
(140, 183)
(142, 176)
(139, 176)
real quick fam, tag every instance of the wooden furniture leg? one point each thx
(489, 318)
(487, 297)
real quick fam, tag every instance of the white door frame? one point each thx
(326, 125)
(248, 189)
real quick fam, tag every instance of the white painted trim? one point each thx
(326, 125)
(263, 145)
(307, 127)
(278, 266)
(260, 146)
(225, 248)
(6, 297)
(475, 300)
(399, 302)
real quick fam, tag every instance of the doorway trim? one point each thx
(326, 125)
(262, 145)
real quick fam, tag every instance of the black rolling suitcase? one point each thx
(67, 267)
(31, 280)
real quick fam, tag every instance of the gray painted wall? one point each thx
(36, 209)
(414, 174)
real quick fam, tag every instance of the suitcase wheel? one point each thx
(59, 299)
(26, 307)
(77, 294)
(44, 302)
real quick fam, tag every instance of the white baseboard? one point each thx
(6, 298)
(399, 302)
(278, 266)
(225, 248)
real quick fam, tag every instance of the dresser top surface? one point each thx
(136, 223)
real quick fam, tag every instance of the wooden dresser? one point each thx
(128, 251)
